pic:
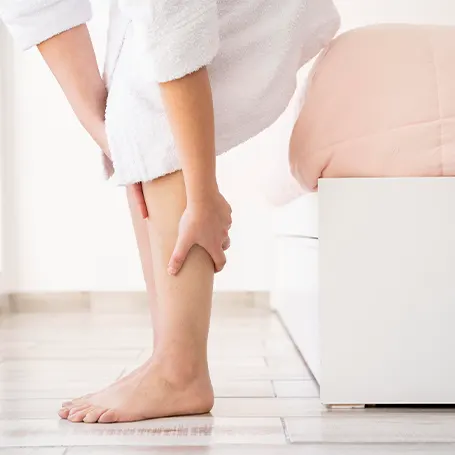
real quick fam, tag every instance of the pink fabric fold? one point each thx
(380, 103)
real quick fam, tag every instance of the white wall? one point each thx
(3, 114)
(70, 231)
(357, 13)
(5, 144)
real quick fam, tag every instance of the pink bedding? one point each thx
(380, 103)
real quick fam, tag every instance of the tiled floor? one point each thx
(267, 402)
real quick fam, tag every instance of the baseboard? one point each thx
(117, 302)
(5, 306)
(61, 302)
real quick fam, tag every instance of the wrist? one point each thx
(203, 189)
(95, 126)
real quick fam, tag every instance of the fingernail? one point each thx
(171, 271)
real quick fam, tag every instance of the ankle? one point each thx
(181, 367)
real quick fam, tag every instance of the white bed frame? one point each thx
(365, 283)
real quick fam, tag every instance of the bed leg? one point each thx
(346, 406)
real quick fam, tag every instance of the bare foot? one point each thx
(115, 385)
(149, 393)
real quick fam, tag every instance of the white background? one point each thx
(68, 230)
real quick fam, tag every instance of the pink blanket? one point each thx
(380, 103)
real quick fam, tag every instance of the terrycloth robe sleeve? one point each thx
(33, 21)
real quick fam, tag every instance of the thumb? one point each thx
(181, 250)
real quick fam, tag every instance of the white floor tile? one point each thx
(262, 373)
(375, 427)
(224, 407)
(244, 372)
(296, 449)
(293, 389)
(33, 451)
(59, 371)
(196, 431)
(284, 361)
(226, 349)
(92, 336)
(234, 361)
(11, 346)
(244, 389)
(71, 352)
(47, 358)
(29, 409)
(267, 407)
(74, 320)
(64, 390)
(217, 360)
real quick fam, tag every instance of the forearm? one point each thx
(189, 106)
(71, 58)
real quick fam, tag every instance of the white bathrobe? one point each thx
(252, 49)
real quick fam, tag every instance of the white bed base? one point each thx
(371, 303)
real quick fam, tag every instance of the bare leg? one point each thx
(145, 254)
(176, 379)
(179, 298)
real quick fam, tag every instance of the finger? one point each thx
(219, 259)
(181, 250)
(226, 244)
(140, 199)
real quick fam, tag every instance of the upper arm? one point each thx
(33, 21)
(178, 37)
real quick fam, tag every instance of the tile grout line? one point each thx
(274, 388)
(302, 358)
(285, 431)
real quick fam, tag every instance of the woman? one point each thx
(176, 72)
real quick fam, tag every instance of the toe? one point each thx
(64, 413)
(77, 401)
(108, 416)
(94, 414)
(78, 414)
(75, 409)
(71, 405)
